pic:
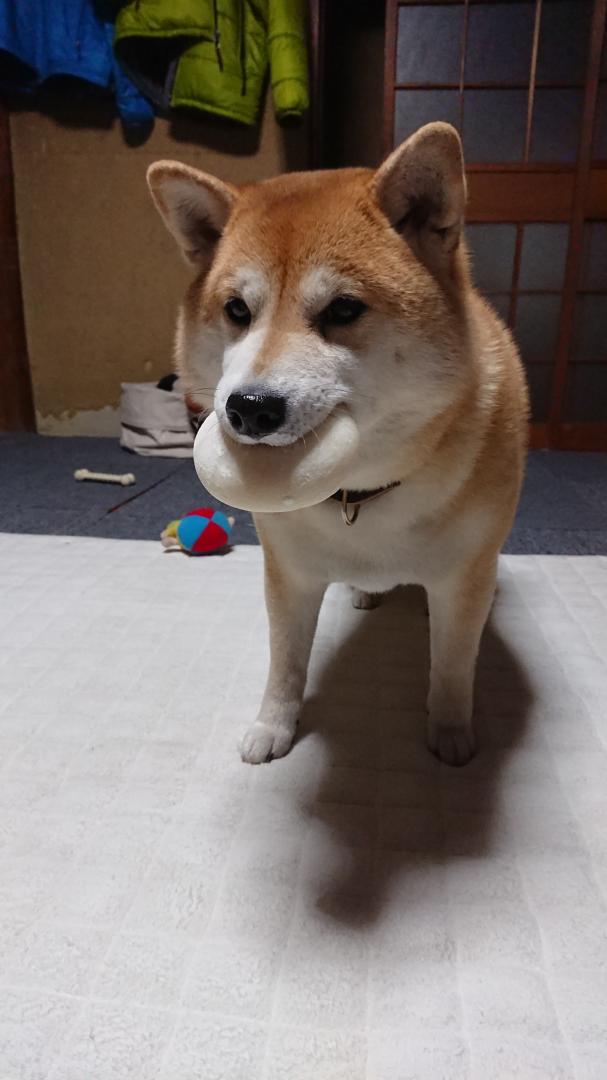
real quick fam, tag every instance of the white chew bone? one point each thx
(105, 478)
(272, 479)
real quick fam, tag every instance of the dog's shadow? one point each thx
(389, 808)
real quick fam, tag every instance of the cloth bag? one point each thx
(154, 422)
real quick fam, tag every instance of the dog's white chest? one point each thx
(390, 543)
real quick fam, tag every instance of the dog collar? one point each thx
(356, 499)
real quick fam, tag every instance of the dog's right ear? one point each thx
(194, 207)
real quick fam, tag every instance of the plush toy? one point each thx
(198, 533)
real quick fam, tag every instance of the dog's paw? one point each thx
(453, 745)
(365, 601)
(261, 742)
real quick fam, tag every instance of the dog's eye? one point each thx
(342, 310)
(237, 311)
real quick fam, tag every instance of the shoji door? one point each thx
(526, 84)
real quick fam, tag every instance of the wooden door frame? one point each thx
(317, 34)
(580, 211)
(16, 397)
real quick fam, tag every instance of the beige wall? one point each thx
(101, 276)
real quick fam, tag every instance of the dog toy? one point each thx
(105, 477)
(271, 479)
(198, 533)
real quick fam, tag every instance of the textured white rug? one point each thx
(354, 912)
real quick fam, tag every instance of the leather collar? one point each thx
(356, 499)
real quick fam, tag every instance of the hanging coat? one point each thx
(40, 39)
(214, 54)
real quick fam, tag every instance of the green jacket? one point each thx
(214, 54)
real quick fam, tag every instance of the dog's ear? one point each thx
(194, 207)
(421, 189)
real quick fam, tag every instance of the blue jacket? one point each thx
(43, 38)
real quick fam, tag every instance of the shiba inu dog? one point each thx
(348, 293)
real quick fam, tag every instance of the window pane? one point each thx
(555, 133)
(416, 107)
(543, 256)
(586, 394)
(499, 43)
(429, 43)
(492, 255)
(590, 329)
(537, 326)
(563, 44)
(539, 378)
(494, 124)
(594, 269)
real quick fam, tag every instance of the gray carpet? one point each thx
(38, 493)
(563, 509)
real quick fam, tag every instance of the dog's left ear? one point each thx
(421, 189)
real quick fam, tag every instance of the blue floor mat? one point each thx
(563, 507)
(38, 492)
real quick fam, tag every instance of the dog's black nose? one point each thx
(256, 414)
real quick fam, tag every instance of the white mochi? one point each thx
(272, 479)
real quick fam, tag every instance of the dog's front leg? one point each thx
(458, 607)
(293, 605)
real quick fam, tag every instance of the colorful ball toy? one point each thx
(200, 532)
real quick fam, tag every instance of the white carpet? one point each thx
(354, 912)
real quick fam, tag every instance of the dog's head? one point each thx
(315, 290)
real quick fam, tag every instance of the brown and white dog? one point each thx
(351, 289)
